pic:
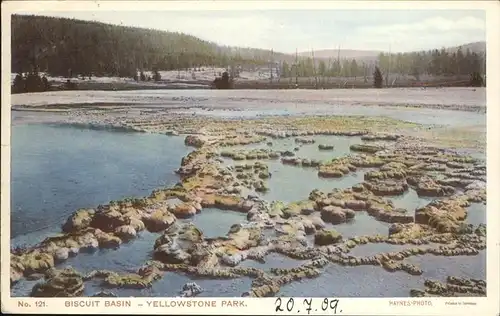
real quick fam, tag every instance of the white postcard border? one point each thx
(349, 306)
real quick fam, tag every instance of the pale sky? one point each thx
(286, 30)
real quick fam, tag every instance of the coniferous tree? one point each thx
(285, 70)
(56, 45)
(377, 78)
(354, 68)
(156, 75)
(19, 84)
(86, 47)
(365, 73)
(476, 80)
(322, 68)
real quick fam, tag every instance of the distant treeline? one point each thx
(434, 62)
(71, 48)
(68, 47)
(30, 82)
(34, 82)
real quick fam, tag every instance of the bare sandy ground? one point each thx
(465, 99)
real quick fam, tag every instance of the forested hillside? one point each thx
(58, 45)
(453, 61)
(68, 47)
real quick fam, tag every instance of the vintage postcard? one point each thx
(250, 157)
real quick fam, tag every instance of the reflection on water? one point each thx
(362, 225)
(216, 223)
(361, 281)
(60, 175)
(372, 249)
(476, 214)
(289, 183)
(53, 175)
(273, 260)
(128, 258)
(410, 201)
(439, 267)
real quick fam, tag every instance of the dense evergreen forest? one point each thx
(437, 62)
(68, 47)
(63, 47)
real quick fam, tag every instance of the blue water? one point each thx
(311, 151)
(216, 223)
(410, 201)
(128, 258)
(361, 225)
(372, 281)
(360, 281)
(476, 214)
(439, 267)
(291, 183)
(56, 170)
(273, 260)
(373, 249)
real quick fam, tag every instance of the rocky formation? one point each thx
(386, 187)
(298, 230)
(359, 199)
(81, 219)
(196, 141)
(336, 215)
(144, 278)
(60, 283)
(426, 186)
(269, 286)
(327, 237)
(158, 219)
(254, 154)
(371, 149)
(443, 215)
(191, 289)
(367, 161)
(337, 168)
(391, 170)
(454, 286)
(177, 243)
(325, 147)
(305, 140)
(301, 162)
(104, 294)
(383, 137)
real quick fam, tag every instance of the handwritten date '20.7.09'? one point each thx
(330, 305)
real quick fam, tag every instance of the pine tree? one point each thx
(322, 68)
(346, 68)
(365, 73)
(354, 68)
(285, 70)
(476, 80)
(377, 78)
(156, 75)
